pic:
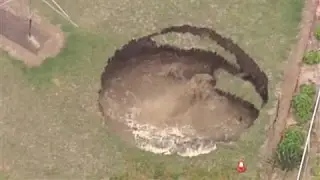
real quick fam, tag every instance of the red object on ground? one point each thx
(241, 167)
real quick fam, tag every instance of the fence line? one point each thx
(305, 157)
(60, 11)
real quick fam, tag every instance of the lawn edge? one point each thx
(289, 84)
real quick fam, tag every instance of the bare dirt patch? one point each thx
(167, 97)
(14, 28)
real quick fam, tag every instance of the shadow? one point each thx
(144, 57)
(248, 70)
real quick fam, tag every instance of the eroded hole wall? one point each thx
(146, 86)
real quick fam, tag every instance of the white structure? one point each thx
(305, 157)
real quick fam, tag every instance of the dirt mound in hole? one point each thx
(164, 98)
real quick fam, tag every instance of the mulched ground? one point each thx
(15, 29)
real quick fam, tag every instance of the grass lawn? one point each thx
(50, 127)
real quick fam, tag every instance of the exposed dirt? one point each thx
(14, 28)
(167, 95)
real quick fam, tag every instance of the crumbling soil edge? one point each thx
(138, 49)
(248, 69)
(290, 82)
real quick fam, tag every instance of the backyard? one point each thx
(50, 124)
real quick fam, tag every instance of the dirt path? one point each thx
(290, 84)
(311, 74)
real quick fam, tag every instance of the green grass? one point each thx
(317, 32)
(3, 176)
(316, 172)
(312, 57)
(55, 132)
(69, 63)
(315, 167)
(303, 103)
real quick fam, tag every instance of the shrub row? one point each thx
(313, 57)
(289, 151)
(302, 103)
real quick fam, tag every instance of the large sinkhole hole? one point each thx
(166, 100)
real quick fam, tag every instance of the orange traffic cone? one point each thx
(241, 167)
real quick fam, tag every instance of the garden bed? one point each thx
(290, 148)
